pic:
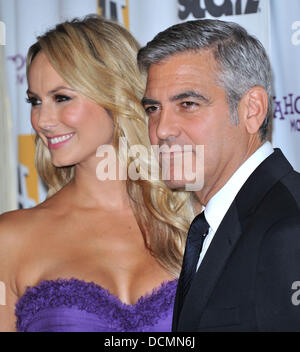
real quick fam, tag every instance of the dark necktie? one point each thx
(197, 232)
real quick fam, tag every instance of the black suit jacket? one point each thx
(245, 281)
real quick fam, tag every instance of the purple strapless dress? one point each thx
(76, 305)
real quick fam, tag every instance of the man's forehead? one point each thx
(185, 59)
(169, 91)
(180, 73)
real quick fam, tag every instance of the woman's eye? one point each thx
(33, 101)
(61, 98)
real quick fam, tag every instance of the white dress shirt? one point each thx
(217, 206)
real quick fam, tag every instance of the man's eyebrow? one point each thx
(189, 94)
(149, 101)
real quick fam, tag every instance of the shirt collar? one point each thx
(218, 205)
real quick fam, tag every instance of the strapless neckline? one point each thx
(73, 281)
(93, 298)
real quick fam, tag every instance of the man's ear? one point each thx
(253, 108)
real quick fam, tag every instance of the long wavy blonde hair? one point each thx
(97, 57)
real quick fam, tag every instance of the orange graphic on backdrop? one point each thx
(125, 10)
(28, 177)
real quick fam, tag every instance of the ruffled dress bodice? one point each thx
(76, 305)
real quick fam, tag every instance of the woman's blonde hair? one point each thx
(97, 57)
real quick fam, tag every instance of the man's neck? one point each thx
(206, 193)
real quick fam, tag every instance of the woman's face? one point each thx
(71, 125)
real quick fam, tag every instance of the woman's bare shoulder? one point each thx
(22, 225)
(13, 225)
(19, 229)
(16, 219)
(17, 224)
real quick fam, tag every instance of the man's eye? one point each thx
(61, 98)
(188, 104)
(151, 109)
(33, 101)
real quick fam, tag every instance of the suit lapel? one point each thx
(209, 271)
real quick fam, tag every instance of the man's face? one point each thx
(186, 106)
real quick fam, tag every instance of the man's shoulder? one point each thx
(283, 198)
(278, 211)
(272, 194)
(292, 184)
(287, 191)
(274, 181)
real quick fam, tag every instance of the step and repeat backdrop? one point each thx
(275, 22)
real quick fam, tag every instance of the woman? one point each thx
(96, 255)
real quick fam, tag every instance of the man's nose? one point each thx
(168, 125)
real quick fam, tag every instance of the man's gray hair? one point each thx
(242, 59)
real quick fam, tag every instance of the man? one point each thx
(209, 83)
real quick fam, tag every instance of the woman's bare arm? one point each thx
(9, 249)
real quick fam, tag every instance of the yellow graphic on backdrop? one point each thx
(115, 9)
(28, 177)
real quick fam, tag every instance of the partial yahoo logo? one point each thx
(180, 166)
(2, 293)
(19, 62)
(288, 107)
(2, 33)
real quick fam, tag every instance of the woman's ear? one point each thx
(253, 108)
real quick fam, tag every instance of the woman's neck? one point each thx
(87, 190)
